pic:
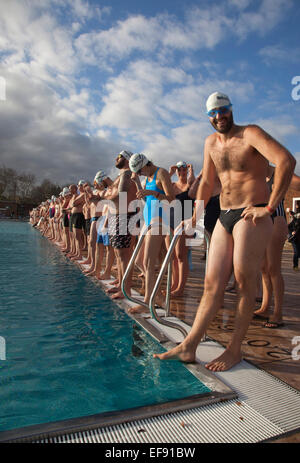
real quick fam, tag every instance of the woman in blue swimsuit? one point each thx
(158, 187)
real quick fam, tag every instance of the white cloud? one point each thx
(277, 53)
(262, 20)
(52, 122)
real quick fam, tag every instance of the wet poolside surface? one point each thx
(268, 349)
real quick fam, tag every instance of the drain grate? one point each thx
(266, 408)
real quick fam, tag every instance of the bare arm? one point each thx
(276, 154)
(191, 175)
(79, 200)
(194, 187)
(164, 177)
(209, 175)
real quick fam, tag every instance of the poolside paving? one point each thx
(269, 349)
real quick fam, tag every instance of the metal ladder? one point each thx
(167, 262)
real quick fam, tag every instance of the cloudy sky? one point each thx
(81, 80)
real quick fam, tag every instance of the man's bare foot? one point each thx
(177, 353)
(118, 295)
(261, 314)
(226, 361)
(138, 309)
(86, 262)
(89, 270)
(91, 273)
(105, 276)
(177, 293)
(112, 290)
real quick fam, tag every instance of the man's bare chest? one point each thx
(235, 157)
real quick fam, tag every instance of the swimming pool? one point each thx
(70, 351)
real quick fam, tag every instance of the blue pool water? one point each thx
(70, 351)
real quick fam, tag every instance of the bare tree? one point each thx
(26, 183)
(8, 182)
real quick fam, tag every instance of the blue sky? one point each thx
(86, 79)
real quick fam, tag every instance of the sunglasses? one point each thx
(222, 110)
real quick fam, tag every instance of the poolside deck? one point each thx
(268, 349)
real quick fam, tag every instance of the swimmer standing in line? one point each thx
(239, 156)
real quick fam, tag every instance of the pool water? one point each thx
(70, 351)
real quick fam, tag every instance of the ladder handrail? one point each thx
(167, 261)
(131, 264)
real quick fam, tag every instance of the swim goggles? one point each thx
(222, 110)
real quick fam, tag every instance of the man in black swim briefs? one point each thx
(239, 156)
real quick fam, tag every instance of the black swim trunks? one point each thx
(77, 219)
(119, 235)
(230, 217)
(87, 226)
(65, 219)
(212, 212)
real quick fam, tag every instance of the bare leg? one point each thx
(124, 258)
(92, 246)
(219, 268)
(279, 235)
(183, 266)
(153, 244)
(110, 258)
(250, 242)
(98, 259)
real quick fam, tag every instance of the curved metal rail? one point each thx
(131, 264)
(166, 262)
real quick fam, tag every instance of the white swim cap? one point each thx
(126, 154)
(216, 100)
(181, 164)
(100, 176)
(81, 182)
(66, 191)
(137, 162)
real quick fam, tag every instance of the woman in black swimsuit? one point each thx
(185, 191)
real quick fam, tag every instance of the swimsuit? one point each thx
(279, 212)
(118, 230)
(87, 227)
(77, 220)
(230, 217)
(187, 205)
(65, 219)
(212, 212)
(153, 207)
(102, 238)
